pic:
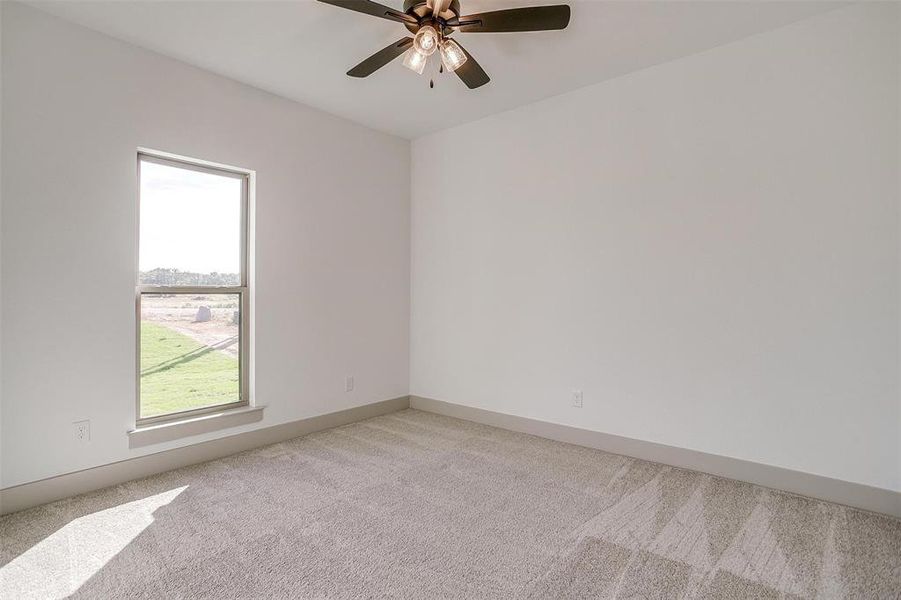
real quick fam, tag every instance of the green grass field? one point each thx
(179, 373)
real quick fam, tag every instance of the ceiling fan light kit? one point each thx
(452, 56)
(426, 40)
(432, 22)
(415, 60)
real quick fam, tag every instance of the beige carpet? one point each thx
(414, 505)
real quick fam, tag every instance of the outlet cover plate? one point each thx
(82, 431)
(577, 398)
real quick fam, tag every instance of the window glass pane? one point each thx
(190, 347)
(190, 227)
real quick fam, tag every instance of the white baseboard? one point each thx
(858, 495)
(806, 484)
(24, 496)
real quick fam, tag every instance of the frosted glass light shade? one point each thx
(452, 55)
(426, 40)
(415, 60)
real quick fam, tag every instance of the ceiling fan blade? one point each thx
(536, 18)
(381, 58)
(471, 72)
(373, 8)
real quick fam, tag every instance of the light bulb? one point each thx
(452, 55)
(415, 60)
(426, 40)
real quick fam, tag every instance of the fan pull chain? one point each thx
(440, 71)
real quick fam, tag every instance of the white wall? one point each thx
(332, 240)
(709, 248)
(1, 242)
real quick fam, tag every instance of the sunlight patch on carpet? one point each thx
(62, 562)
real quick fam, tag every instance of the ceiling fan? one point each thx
(433, 21)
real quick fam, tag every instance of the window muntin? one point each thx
(192, 295)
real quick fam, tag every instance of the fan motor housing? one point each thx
(419, 8)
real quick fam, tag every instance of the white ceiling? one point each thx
(301, 49)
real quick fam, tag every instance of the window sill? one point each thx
(172, 430)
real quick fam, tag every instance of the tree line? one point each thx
(174, 277)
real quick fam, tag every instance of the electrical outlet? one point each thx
(349, 383)
(82, 430)
(577, 398)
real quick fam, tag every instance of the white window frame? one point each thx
(242, 290)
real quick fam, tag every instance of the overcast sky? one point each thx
(190, 221)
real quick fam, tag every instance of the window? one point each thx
(192, 295)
